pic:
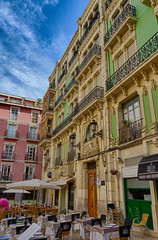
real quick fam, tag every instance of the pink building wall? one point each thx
(21, 142)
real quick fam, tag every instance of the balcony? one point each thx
(120, 26)
(95, 51)
(130, 132)
(139, 57)
(93, 20)
(7, 156)
(60, 99)
(11, 134)
(5, 177)
(31, 158)
(58, 161)
(73, 57)
(71, 156)
(33, 137)
(62, 75)
(97, 92)
(71, 85)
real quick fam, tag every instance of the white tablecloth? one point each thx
(104, 233)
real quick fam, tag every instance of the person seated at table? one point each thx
(4, 205)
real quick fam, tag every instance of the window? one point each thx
(49, 122)
(11, 130)
(14, 113)
(31, 153)
(71, 196)
(56, 197)
(5, 172)
(89, 133)
(34, 117)
(8, 152)
(29, 173)
(33, 133)
(131, 50)
(131, 110)
(120, 60)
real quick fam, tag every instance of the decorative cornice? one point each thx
(144, 91)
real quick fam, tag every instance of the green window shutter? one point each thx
(67, 109)
(114, 126)
(68, 80)
(54, 155)
(147, 111)
(155, 101)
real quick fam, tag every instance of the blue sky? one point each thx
(34, 34)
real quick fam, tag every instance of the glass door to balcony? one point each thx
(5, 173)
(11, 130)
(8, 152)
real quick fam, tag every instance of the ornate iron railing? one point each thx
(33, 136)
(107, 3)
(4, 177)
(95, 50)
(140, 56)
(11, 134)
(62, 75)
(31, 158)
(97, 92)
(58, 161)
(69, 86)
(8, 155)
(93, 20)
(71, 156)
(130, 131)
(73, 57)
(129, 10)
(61, 98)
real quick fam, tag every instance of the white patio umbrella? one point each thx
(34, 184)
(15, 191)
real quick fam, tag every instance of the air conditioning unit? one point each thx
(68, 171)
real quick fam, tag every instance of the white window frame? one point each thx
(11, 108)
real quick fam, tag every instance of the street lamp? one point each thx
(72, 141)
(94, 127)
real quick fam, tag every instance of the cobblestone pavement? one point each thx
(134, 236)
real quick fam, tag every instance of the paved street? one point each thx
(134, 236)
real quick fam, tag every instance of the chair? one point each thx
(124, 232)
(65, 228)
(142, 223)
(75, 216)
(20, 229)
(111, 205)
(128, 222)
(58, 235)
(10, 215)
(96, 222)
(51, 218)
(103, 217)
(11, 221)
(84, 213)
(29, 220)
(113, 238)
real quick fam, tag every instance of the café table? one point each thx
(105, 232)
(82, 224)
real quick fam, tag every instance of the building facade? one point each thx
(106, 112)
(20, 154)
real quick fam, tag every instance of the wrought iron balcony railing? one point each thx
(93, 20)
(33, 136)
(62, 75)
(97, 92)
(31, 158)
(71, 156)
(58, 161)
(130, 131)
(11, 134)
(73, 57)
(128, 11)
(139, 57)
(95, 50)
(61, 98)
(8, 155)
(107, 3)
(69, 86)
(5, 177)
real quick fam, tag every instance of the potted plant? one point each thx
(125, 123)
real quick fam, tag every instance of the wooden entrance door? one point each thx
(92, 193)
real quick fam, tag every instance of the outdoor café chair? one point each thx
(11, 221)
(65, 228)
(124, 232)
(52, 218)
(142, 223)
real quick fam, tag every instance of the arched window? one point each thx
(89, 133)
